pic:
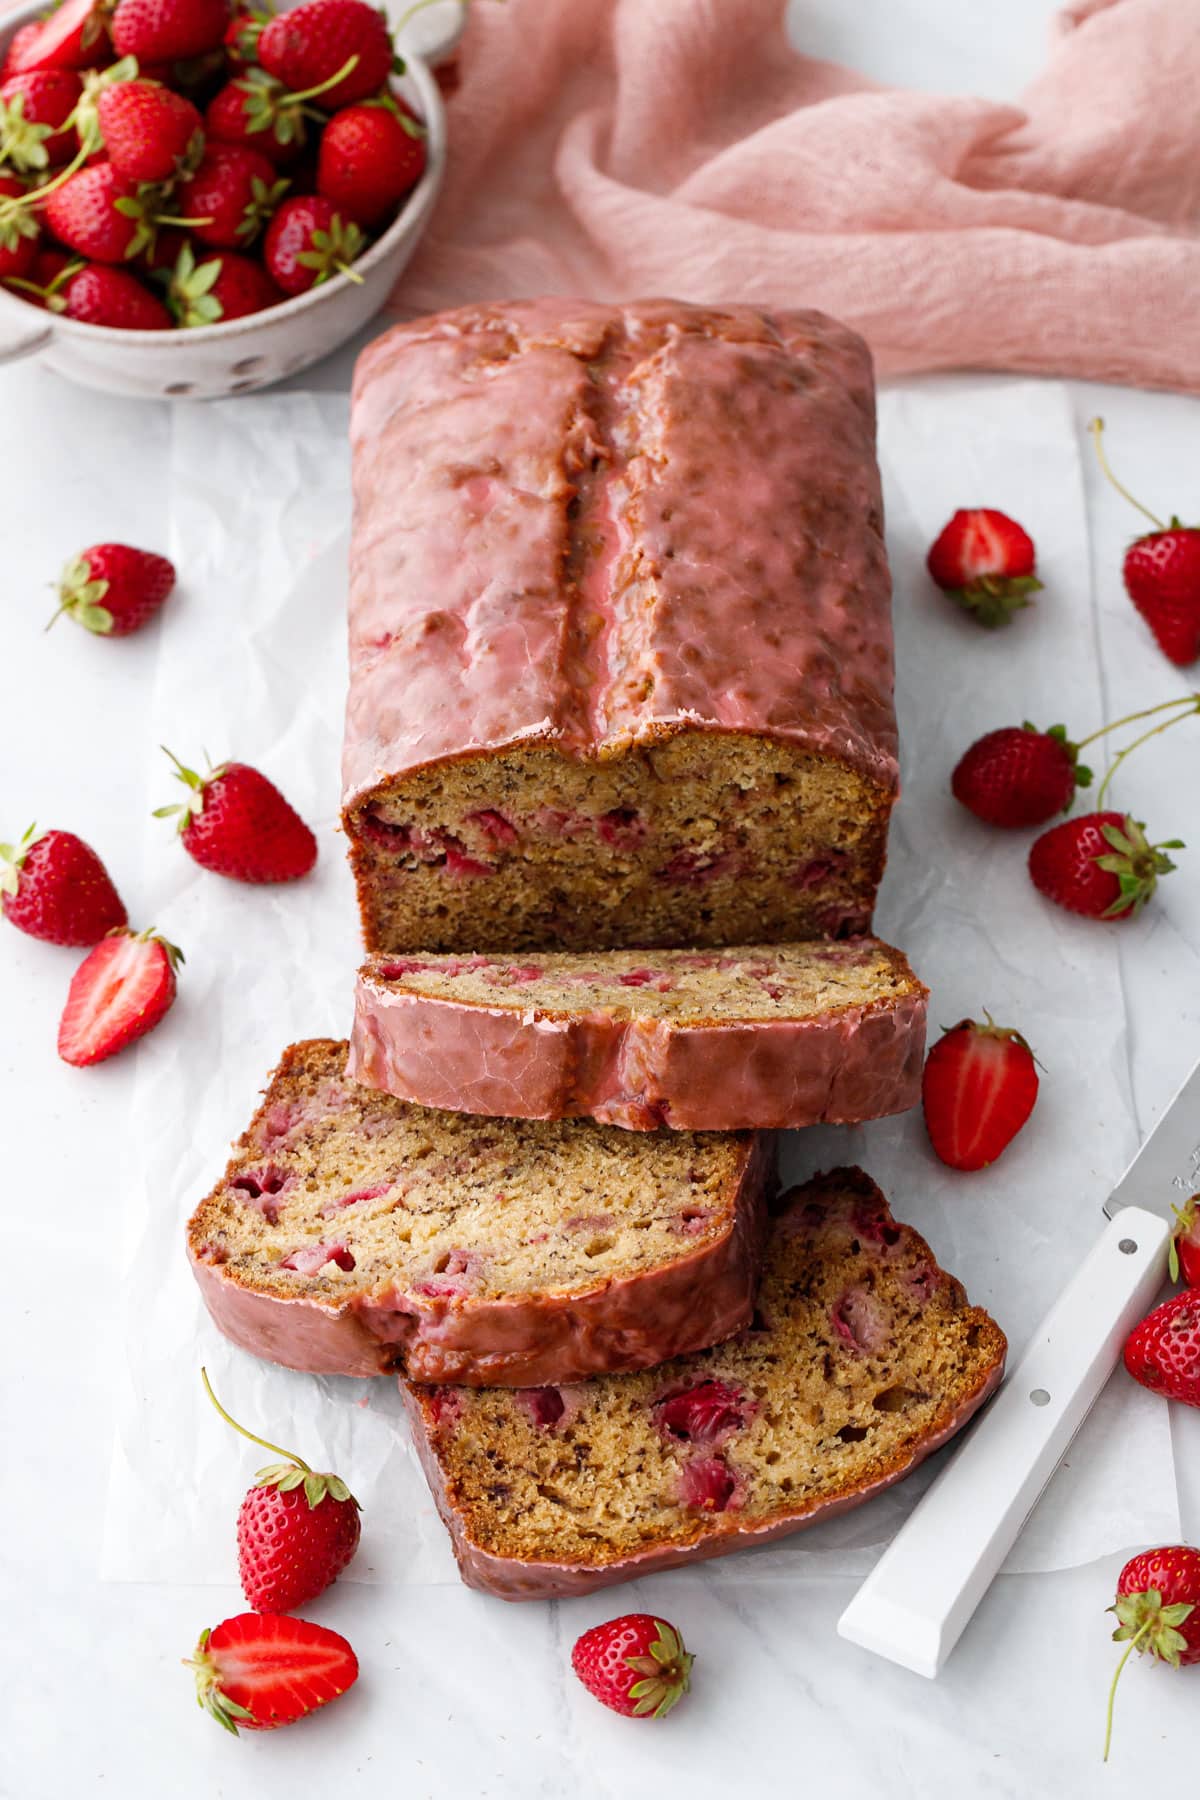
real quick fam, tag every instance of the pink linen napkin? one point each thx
(621, 147)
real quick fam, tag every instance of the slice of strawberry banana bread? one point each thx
(620, 630)
(862, 1358)
(354, 1234)
(717, 1040)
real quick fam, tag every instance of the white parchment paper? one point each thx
(253, 666)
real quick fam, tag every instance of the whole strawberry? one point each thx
(1100, 865)
(371, 155)
(149, 131)
(986, 561)
(296, 1530)
(261, 1670)
(35, 109)
(256, 110)
(1019, 775)
(307, 241)
(55, 887)
(306, 45)
(635, 1665)
(100, 295)
(223, 287)
(229, 196)
(1185, 1245)
(119, 992)
(237, 823)
(1162, 574)
(163, 31)
(1163, 1352)
(1158, 1612)
(73, 36)
(979, 1088)
(112, 589)
(100, 213)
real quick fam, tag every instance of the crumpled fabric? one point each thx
(622, 148)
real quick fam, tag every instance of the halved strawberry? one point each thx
(74, 36)
(986, 561)
(262, 1670)
(117, 994)
(979, 1088)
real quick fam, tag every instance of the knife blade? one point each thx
(1166, 1170)
(921, 1594)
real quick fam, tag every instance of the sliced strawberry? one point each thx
(118, 993)
(978, 1090)
(262, 1670)
(74, 36)
(986, 561)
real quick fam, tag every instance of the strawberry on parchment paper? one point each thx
(979, 1087)
(262, 1670)
(635, 1665)
(237, 823)
(53, 886)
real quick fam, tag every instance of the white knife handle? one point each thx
(926, 1585)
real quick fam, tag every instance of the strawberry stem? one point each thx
(1096, 427)
(1112, 1692)
(1119, 758)
(331, 81)
(1190, 701)
(254, 1438)
(32, 196)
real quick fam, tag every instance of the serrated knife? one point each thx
(913, 1606)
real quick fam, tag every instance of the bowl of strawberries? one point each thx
(200, 197)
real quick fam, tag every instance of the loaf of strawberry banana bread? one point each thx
(700, 1040)
(620, 635)
(862, 1358)
(353, 1234)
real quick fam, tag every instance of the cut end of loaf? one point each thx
(862, 1355)
(701, 839)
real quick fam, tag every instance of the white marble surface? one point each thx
(461, 1695)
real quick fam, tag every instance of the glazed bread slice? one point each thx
(353, 1234)
(620, 631)
(709, 1040)
(862, 1358)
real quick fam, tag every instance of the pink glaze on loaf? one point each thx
(732, 587)
(641, 1072)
